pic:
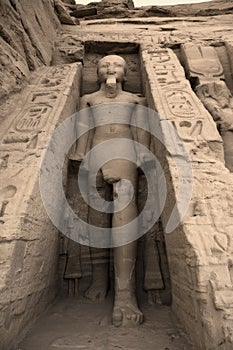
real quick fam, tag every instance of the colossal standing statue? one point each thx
(115, 179)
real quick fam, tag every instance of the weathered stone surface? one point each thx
(207, 75)
(63, 13)
(86, 12)
(201, 63)
(24, 44)
(68, 50)
(97, 333)
(151, 11)
(122, 3)
(70, 2)
(105, 9)
(200, 251)
(219, 7)
(207, 238)
(207, 8)
(28, 266)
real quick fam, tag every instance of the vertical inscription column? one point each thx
(195, 251)
(175, 101)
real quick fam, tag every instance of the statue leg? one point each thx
(99, 257)
(126, 311)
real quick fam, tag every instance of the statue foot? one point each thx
(97, 290)
(126, 312)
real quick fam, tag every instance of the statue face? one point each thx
(111, 65)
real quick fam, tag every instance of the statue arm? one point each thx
(85, 123)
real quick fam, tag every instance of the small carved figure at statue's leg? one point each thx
(73, 270)
(153, 280)
(100, 267)
(99, 257)
(125, 311)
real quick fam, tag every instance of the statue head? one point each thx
(112, 65)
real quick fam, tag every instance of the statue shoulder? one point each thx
(135, 98)
(87, 100)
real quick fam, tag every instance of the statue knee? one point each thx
(123, 191)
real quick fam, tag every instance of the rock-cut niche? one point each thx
(78, 263)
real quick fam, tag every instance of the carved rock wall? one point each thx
(200, 249)
(27, 33)
(29, 241)
(199, 252)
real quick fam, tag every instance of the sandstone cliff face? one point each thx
(200, 252)
(126, 9)
(208, 8)
(27, 33)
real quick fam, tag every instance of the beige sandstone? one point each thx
(183, 67)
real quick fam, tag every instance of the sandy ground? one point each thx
(80, 324)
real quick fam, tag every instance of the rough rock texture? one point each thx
(151, 11)
(84, 12)
(126, 9)
(29, 242)
(124, 3)
(209, 8)
(63, 13)
(98, 334)
(27, 33)
(106, 9)
(200, 250)
(70, 2)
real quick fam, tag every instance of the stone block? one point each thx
(86, 12)
(121, 3)
(63, 13)
(69, 2)
(223, 299)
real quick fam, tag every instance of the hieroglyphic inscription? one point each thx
(202, 62)
(176, 102)
(34, 118)
(181, 103)
(51, 96)
(40, 104)
(174, 92)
